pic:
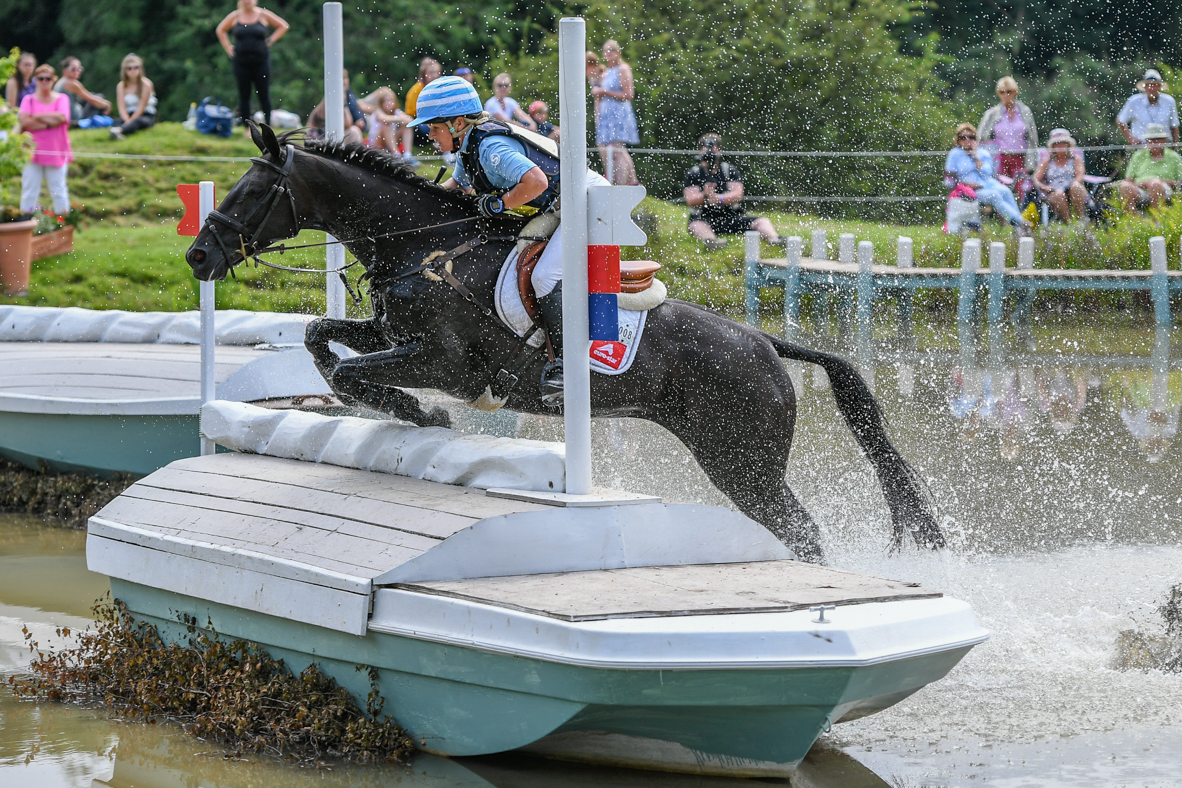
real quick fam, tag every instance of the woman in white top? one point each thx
(1061, 177)
(505, 109)
(135, 97)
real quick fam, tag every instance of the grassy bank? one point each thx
(129, 256)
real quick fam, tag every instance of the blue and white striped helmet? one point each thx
(446, 97)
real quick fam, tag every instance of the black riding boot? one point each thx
(550, 305)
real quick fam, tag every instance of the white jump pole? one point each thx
(334, 129)
(572, 108)
(208, 333)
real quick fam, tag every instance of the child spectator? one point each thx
(386, 119)
(21, 83)
(136, 98)
(504, 108)
(46, 115)
(540, 114)
(83, 103)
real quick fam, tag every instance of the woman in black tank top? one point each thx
(251, 52)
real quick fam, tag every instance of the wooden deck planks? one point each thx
(758, 587)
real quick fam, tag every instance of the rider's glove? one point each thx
(489, 206)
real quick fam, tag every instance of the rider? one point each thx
(510, 169)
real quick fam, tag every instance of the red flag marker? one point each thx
(190, 194)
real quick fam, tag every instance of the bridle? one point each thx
(248, 240)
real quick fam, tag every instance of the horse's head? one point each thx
(259, 209)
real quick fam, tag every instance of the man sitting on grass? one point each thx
(714, 193)
(1153, 172)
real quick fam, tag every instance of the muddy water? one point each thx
(1059, 483)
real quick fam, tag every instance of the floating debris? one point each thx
(1137, 650)
(69, 497)
(228, 691)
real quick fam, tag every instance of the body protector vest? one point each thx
(540, 150)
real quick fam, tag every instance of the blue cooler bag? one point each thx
(213, 118)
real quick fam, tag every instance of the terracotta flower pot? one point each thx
(58, 242)
(16, 255)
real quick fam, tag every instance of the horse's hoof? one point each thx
(437, 417)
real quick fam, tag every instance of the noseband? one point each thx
(248, 239)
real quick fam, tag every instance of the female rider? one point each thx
(509, 169)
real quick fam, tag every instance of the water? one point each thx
(1060, 488)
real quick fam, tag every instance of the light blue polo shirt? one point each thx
(504, 161)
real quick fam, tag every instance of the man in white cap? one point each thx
(1148, 105)
(1154, 172)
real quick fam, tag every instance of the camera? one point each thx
(710, 157)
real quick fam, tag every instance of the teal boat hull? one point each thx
(102, 445)
(458, 700)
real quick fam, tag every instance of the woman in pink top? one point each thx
(46, 115)
(1010, 125)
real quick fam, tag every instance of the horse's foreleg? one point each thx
(363, 336)
(373, 379)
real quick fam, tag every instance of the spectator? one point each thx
(135, 97)
(21, 83)
(1148, 106)
(1153, 172)
(967, 166)
(251, 52)
(429, 71)
(355, 124)
(505, 109)
(46, 115)
(714, 193)
(83, 103)
(1010, 124)
(615, 122)
(540, 114)
(1061, 177)
(466, 73)
(594, 77)
(386, 120)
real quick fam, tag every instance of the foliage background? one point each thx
(796, 75)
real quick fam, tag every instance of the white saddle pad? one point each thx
(607, 358)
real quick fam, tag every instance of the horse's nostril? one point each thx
(197, 256)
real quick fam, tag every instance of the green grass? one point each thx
(129, 256)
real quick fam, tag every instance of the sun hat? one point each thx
(1151, 75)
(1060, 135)
(537, 105)
(446, 97)
(1156, 131)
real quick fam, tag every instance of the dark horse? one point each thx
(718, 385)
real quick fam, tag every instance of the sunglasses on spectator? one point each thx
(1004, 92)
(503, 85)
(964, 137)
(133, 68)
(45, 79)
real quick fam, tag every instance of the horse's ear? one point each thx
(256, 136)
(271, 142)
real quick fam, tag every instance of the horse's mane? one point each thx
(374, 160)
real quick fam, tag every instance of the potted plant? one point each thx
(54, 233)
(16, 228)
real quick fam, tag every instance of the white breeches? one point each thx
(548, 272)
(55, 177)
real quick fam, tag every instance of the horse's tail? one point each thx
(905, 493)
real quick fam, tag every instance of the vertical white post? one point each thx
(845, 248)
(208, 328)
(572, 108)
(904, 254)
(1025, 254)
(820, 246)
(334, 129)
(751, 245)
(610, 167)
(997, 257)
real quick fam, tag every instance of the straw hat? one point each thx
(1151, 75)
(1060, 135)
(1156, 131)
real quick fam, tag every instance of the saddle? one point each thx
(636, 276)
